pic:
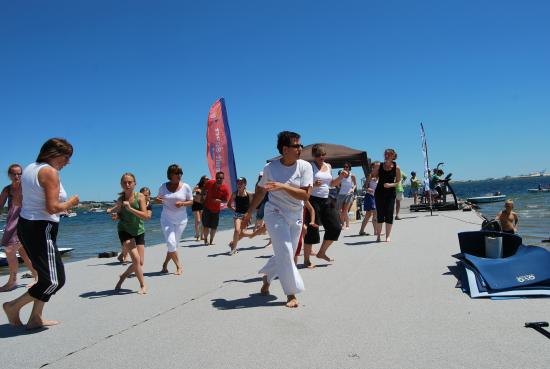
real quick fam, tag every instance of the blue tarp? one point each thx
(529, 265)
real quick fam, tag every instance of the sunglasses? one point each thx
(296, 146)
(16, 174)
(320, 155)
(219, 178)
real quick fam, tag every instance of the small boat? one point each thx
(4, 259)
(485, 199)
(538, 190)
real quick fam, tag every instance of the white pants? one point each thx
(284, 228)
(172, 233)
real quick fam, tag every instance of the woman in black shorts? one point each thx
(388, 173)
(198, 199)
(325, 212)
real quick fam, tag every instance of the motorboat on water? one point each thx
(496, 197)
(535, 190)
(4, 259)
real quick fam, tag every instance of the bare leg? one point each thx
(388, 231)
(167, 258)
(378, 228)
(205, 231)
(13, 265)
(236, 235)
(322, 254)
(346, 214)
(265, 286)
(175, 258)
(397, 208)
(291, 301)
(35, 320)
(28, 263)
(197, 216)
(12, 308)
(307, 254)
(366, 219)
(212, 233)
(136, 262)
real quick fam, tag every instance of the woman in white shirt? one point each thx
(288, 183)
(174, 196)
(44, 198)
(346, 194)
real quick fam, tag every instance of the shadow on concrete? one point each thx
(152, 274)
(195, 245)
(251, 248)
(106, 293)
(249, 280)
(226, 253)
(302, 266)
(263, 257)
(252, 301)
(111, 263)
(7, 331)
(361, 243)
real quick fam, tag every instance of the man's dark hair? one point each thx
(285, 138)
(220, 172)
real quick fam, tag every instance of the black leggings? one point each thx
(326, 215)
(38, 238)
(384, 207)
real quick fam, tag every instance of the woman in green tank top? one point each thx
(132, 211)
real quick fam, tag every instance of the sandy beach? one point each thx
(377, 306)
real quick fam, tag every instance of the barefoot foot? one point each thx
(38, 324)
(291, 301)
(324, 257)
(265, 287)
(179, 270)
(388, 239)
(13, 315)
(309, 264)
(142, 290)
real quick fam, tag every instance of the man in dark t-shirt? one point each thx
(217, 194)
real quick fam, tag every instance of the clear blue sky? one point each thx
(129, 83)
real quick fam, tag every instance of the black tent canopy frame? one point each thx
(337, 156)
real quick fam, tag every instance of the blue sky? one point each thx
(129, 83)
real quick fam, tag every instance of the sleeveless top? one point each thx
(242, 203)
(386, 176)
(346, 185)
(129, 222)
(325, 178)
(34, 197)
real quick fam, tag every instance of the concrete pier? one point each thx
(378, 305)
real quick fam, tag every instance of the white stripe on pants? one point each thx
(284, 228)
(172, 233)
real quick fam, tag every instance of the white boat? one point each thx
(538, 190)
(485, 199)
(97, 210)
(4, 259)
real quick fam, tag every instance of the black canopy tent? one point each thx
(337, 156)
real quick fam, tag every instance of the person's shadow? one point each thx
(253, 300)
(106, 293)
(7, 331)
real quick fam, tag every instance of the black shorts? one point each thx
(125, 236)
(210, 219)
(197, 206)
(325, 215)
(39, 240)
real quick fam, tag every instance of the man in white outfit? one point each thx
(288, 182)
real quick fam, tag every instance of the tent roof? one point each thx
(337, 155)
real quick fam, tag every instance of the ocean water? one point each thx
(92, 233)
(533, 209)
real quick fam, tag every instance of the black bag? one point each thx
(491, 225)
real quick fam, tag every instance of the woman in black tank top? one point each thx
(388, 172)
(239, 202)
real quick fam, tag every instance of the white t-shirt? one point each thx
(325, 177)
(372, 186)
(170, 211)
(300, 174)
